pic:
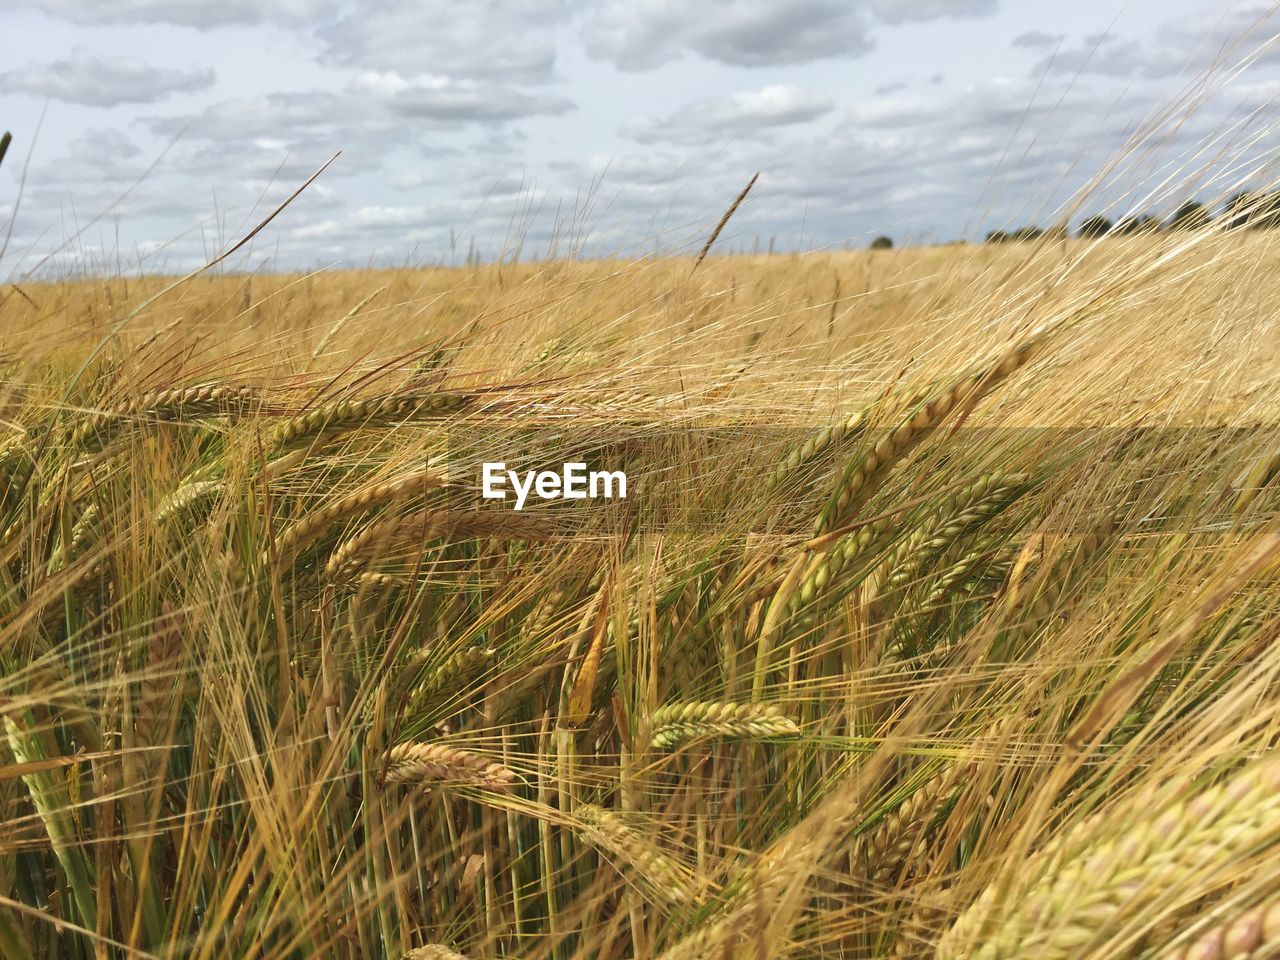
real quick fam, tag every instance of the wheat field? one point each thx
(940, 618)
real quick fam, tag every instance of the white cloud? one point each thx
(103, 82)
(384, 216)
(314, 231)
(412, 180)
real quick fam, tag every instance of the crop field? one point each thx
(940, 619)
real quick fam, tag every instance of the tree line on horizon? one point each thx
(1243, 209)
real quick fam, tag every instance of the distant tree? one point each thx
(1057, 232)
(882, 243)
(1023, 234)
(1095, 227)
(1135, 223)
(1241, 209)
(1192, 215)
(998, 236)
(1266, 216)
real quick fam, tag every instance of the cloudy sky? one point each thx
(557, 126)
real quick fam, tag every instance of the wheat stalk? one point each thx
(737, 201)
(347, 318)
(52, 805)
(161, 684)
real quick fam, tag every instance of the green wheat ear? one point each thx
(5, 140)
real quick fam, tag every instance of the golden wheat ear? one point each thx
(1083, 885)
(434, 951)
(675, 723)
(442, 765)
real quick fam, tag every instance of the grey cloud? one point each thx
(977, 160)
(412, 180)
(451, 101)
(317, 229)
(995, 150)
(387, 127)
(248, 162)
(644, 169)
(627, 170)
(100, 155)
(487, 185)
(739, 115)
(848, 183)
(902, 11)
(1037, 40)
(201, 14)
(367, 121)
(219, 211)
(990, 107)
(507, 40)
(844, 183)
(1188, 44)
(434, 218)
(641, 34)
(892, 111)
(896, 86)
(1182, 46)
(102, 82)
(47, 204)
(904, 162)
(275, 115)
(498, 141)
(1102, 56)
(418, 169)
(282, 134)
